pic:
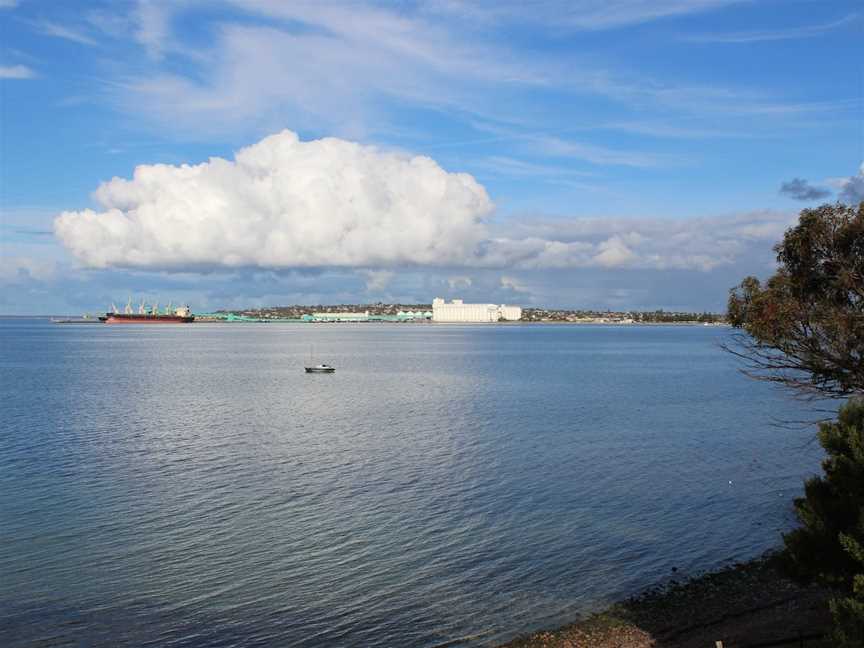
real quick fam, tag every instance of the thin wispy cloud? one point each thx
(353, 63)
(562, 147)
(152, 24)
(359, 59)
(837, 106)
(64, 32)
(602, 155)
(669, 131)
(578, 14)
(399, 34)
(807, 31)
(508, 166)
(701, 99)
(16, 72)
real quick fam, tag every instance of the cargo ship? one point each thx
(151, 315)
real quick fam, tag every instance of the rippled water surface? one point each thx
(191, 486)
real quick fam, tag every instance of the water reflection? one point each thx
(194, 485)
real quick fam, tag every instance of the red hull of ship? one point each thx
(123, 318)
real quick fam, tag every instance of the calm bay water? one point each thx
(190, 486)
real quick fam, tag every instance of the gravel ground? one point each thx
(746, 605)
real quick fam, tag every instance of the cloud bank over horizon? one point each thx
(283, 203)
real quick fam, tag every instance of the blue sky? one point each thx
(617, 153)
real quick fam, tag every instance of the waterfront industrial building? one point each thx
(401, 316)
(338, 317)
(459, 311)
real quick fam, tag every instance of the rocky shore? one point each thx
(746, 605)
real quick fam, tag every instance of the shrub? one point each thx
(829, 546)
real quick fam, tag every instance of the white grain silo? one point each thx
(459, 311)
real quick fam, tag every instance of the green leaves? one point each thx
(829, 546)
(805, 325)
(848, 611)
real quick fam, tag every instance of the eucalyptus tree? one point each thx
(804, 329)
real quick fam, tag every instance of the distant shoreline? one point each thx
(478, 324)
(502, 323)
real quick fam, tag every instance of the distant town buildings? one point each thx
(456, 311)
(459, 311)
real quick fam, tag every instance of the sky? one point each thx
(595, 154)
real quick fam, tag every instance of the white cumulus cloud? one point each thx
(283, 203)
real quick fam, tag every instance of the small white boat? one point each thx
(321, 368)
